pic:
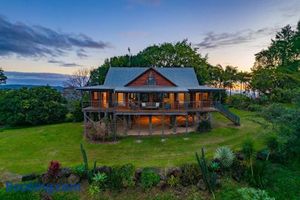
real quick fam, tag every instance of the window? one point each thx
(151, 79)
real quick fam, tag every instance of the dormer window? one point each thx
(151, 79)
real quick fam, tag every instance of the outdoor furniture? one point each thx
(150, 105)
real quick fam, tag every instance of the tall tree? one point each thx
(230, 77)
(78, 79)
(180, 54)
(3, 78)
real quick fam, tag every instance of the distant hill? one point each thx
(33, 78)
(16, 86)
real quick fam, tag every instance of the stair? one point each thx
(227, 113)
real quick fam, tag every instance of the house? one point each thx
(146, 101)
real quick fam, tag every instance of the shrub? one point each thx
(53, 170)
(208, 177)
(121, 177)
(215, 166)
(149, 178)
(94, 190)
(254, 107)
(173, 181)
(190, 174)
(32, 106)
(225, 156)
(79, 170)
(100, 179)
(238, 101)
(248, 151)
(254, 194)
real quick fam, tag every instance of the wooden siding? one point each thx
(142, 79)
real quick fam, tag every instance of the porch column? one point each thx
(163, 125)
(139, 126)
(186, 123)
(125, 124)
(174, 124)
(85, 122)
(150, 124)
(115, 126)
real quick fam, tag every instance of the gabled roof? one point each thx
(120, 76)
(149, 69)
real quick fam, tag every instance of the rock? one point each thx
(240, 156)
(29, 177)
(162, 174)
(73, 179)
(11, 177)
(64, 172)
(45, 179)
(103, 169)
(218, 182)
(176, 172)
(162, 185)
(45, 196)
(137, 174)
(201, 185)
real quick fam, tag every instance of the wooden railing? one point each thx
(150, 105)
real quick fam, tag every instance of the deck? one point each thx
(158, 111)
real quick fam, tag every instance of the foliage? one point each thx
(179, 54)
(53, 169)
(100, 179)
(85, 159)
(32, 106)
(94, 190)
(79, 170)
(280, 63)
(204, 126)
(75, 110)
(254, 194)
(272, 144)
(190, 174)
(121, 177)
(209, 178)
(3, 78)
(173, 181)
(225, 156)
(248, 151)
(215, 166)
(18, 195)
(238, 101)
(149, 178)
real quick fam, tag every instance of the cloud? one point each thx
(30, 78)
(64, 64)
(38, 41)
(81, 53)
(214, 40)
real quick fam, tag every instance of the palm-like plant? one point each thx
(248, 151)
(225, 155)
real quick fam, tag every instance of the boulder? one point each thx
(137, 174)
(201, 185)
(29, 177)
(73, 179)
(175, 171)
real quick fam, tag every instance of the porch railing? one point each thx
(149, 105)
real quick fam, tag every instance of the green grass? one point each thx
(27, 150)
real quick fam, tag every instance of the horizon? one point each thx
(60, 37)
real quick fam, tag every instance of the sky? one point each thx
(61, 36)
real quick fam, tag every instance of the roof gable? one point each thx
(150, 77)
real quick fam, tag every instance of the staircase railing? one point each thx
(227, 113)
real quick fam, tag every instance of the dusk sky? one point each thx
(60, 36)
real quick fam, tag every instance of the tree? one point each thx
(229, 77)
(277, 67)
(78, 79)
(32, 106)
(3, 78)
(180, 54)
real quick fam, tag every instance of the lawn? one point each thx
(27, 150)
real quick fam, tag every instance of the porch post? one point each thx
(84, 122)
(174, 124)
(186, 123)
(139, 126)
(150, 124)
(125, 124)
(115, 126)
(163, 125)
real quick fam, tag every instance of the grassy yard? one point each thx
(27, 150)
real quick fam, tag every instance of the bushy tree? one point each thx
(32, 106)
(3, 78)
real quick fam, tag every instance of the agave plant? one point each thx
(225, 156)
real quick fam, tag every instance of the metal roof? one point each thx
(120, 76)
